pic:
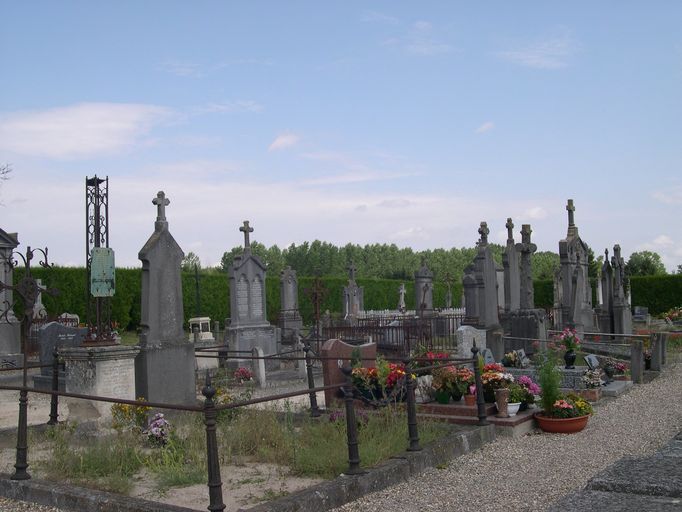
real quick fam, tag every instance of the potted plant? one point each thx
(530, 389)
(560, 414)
(463, 381)
(444, 380)
(494, 378)
(511, 359)
(470, 395)
(569, 339)
(366, 382)
(593, 382)
(516, 395)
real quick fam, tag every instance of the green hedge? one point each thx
(658, 293)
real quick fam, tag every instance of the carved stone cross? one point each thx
(161, 201)
(351, 271)
(483, 231)
(246, 230)
(570, 208)
(510, 226)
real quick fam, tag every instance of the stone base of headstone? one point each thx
(266, 337)
(11, 360)
(107, 371)
(166, 373)
(495, 342)
(290, 323)
(335, 351)
(528, 323)
(604, 322)
(10, 337)
(206, 360)
(622, 319)
(466, 335)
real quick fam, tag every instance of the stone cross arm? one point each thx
(570, 208)
(246, 230)
(161, 201)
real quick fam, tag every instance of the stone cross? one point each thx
(351, 271)
(526, 248)
(401, 302)
(483, 231)
(161, 201)
(570, 208)
(246, 230)
(510, 226)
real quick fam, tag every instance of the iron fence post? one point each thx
(215, 485)
(54, 399)
(411, 408)
(314, 409)
(480, 400)
(351, 425)
(21, 463)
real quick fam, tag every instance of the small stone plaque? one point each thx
(488, 356)
(592, 361)
(522, 358)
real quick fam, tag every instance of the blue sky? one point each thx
(388, 122)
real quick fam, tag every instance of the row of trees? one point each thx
(384, 261)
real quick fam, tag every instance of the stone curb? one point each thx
(347, 488)
(69, 497)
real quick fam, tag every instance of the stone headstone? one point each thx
(164, 369)
(467, 335)
(510, 262)
(622, 316)
(334, 351)
(353, 297)
(524, 361)
(423, 289)
(290, 320)
(248, 325)
(592, 361)
(575, 309)
(488, 356)
(10, 327)
(480, 285)
(641, 314)
(51, 336)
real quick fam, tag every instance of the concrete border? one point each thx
(324, 496)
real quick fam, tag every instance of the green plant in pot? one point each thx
(517, 394)
(444, 380)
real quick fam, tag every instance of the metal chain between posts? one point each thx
(215, 485)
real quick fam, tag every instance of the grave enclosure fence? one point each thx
(210, 409)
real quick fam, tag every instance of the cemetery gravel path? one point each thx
(531, 472)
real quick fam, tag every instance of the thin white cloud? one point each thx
(421, 41)
(283, 141)
(394, 203)
(353, 177)
(554, 52)
(379, 17)
(672, 195)
(485, 127)
(181, 68)
(232, 106)
(535, 213)
(79, 131)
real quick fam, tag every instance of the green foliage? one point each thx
(545, 264)
(549, 378)
(544, 293)
(190, 261)
(659, 293)
(645, 263)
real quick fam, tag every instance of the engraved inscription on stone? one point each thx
(116, 378)
(257, 299)
(242, 298)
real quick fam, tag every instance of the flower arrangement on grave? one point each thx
(428, 358)
(493, 378)
(570, 406)
(242, 375)
(530, 389)
(592, 378)
(444, 379)
(158, 431)
(130, 417)
(517, 393)
(511, 359)
(569, 339)
(465, 379)
(615, 367)
(674, 315)
(366, 381)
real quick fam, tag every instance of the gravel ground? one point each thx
(531, 472)
(7, 505)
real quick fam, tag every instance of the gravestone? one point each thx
(401, 301)
(510, 262)
(592, 361)
(622, 316)
(50, 336)
(336, 354)
(10, 326)
(467, 335)
(201, 336)
(527, 321)
(165, 366)
(248, 324)
(575, 309)
(604, 310)
(524, 361)
(353, 297)
(641, 314)
(290, 321)
(488, 356)
(480, 286)
(423, 290)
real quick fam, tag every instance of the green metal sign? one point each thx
(102, 272)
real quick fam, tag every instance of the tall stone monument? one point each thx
(423, 290)
(353, 297)
(10, 326)
(575, 295)
(164, 369)
(622, 314)
(290, 321)
(527, 321)
(248, 325)
(510, 262)
(401, 301)
(604, 310)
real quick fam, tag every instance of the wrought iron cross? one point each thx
(316, 293)
(161, 201)
(246, 230)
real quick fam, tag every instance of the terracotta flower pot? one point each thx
(561, 425)
(470, 399)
